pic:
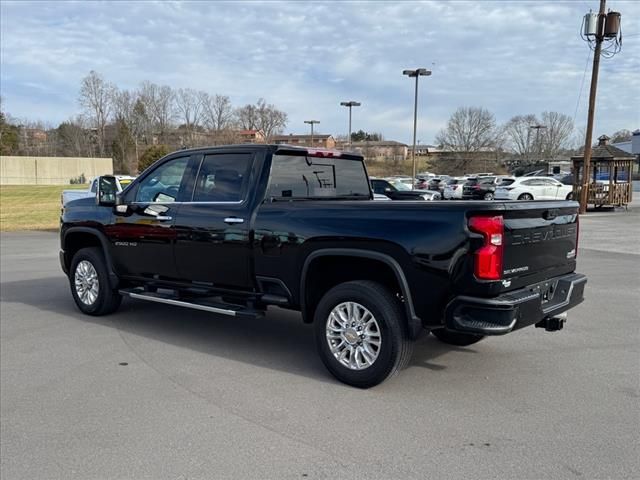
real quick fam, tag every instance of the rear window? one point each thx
(487, 179)
(298, 176)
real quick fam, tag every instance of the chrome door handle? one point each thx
(231, 220)
(164, 218)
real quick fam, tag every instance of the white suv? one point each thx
(534, 188)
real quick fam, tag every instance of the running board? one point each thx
(206, 306)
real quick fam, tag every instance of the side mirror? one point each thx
(107, 192)
(388, 190)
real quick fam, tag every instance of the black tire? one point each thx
(488, 196)
(525, 196)
(395, 346)
(456, 338)
(107, 299)
(569, 196)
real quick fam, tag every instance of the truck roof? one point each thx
(273, 148)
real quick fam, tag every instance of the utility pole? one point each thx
(586, 169)
(350, 104)
(312, 122)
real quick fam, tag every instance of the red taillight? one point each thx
(476, 187)
(488, 258)
(577, 233)
(323, 153)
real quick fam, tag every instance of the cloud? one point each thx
(510, 57)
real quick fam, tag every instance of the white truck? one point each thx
(122, 181)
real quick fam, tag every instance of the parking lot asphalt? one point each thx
(155, 392)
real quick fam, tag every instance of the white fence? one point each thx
(51, 170)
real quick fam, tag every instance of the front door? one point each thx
(143, 235)
(212, 245)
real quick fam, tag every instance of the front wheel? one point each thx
(361, 334)
(89, 282)
(525, 196)
(456, 338)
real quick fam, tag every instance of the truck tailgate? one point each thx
(540, 239)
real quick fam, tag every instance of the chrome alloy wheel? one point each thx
(86, 282)
(353, 335)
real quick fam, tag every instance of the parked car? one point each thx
(565, 178)
(377, 196)
(122, 181)
(233, 230)
(397, 190)
(534, 188)
(408, 181)
(435, 184)
(481, 188)
(453, 188)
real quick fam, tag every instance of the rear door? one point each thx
(550, 188)
(212, 244)
(540, 240)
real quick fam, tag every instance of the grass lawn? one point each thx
(31, 207)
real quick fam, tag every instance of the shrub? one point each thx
(151, 155)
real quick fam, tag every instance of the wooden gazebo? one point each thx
(609, 175)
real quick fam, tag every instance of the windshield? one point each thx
(298, 176)
(400, 185)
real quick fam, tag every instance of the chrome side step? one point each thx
(222, 309)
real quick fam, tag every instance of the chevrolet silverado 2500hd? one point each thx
(233, 230)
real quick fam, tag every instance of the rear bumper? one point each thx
(510, 311)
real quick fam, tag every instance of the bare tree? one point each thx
(189, 105)
(73, 138)
(247, 117)
(95, 99)
(217, 111)
(270, 120)
(123, 103)
(557, 133)
(469, 129)
(623, 135)
(159, 105)
(518, 133)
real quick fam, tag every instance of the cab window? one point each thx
(163, 184)
(223, 178)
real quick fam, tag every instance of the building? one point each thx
(633, 147)
(381, 149)
(320, 140)
(251, 136)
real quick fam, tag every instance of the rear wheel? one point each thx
(525, 196)
(488, 196)
(361, 334)
(569, 196)
(89, 282)
(456, 338)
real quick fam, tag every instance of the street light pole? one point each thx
(537, 129)
(312, 122)
(350, 104)
(418, 72)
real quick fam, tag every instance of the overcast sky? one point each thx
(511, 57)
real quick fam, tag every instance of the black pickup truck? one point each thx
(234, 230)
